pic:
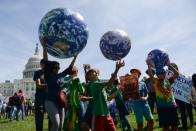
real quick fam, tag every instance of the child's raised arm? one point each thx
(45, 52)
(73, 62)
(87, 67)
(150, 73)
(175, 71)
(68, 70)
(119, 64)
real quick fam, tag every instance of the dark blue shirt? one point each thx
(40, 92)
(143, 93)
(143, 89)
(53, 81)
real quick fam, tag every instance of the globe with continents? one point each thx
(159, 58)
(115, 44)
(65, 31)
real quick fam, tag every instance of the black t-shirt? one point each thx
(53, 81)
(11, 101)
(40, 92)
(16, 100)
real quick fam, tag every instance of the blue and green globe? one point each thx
(65, 31)
(159, 58)
(115, 44)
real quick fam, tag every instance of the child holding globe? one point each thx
(166, 105)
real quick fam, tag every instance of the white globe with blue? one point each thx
(115, 44)
(65, 31)
(159, 58)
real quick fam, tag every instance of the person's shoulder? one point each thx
(48, 62)
(99, 83)
(76, 79)
(96, 84)
(37, 74)
(39, 71)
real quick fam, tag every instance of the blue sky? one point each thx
(151, 24)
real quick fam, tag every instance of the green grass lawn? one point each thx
(22, 125)
(29, 124)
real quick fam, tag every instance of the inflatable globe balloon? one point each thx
(159, 58)
(65, 31)
(115, 45)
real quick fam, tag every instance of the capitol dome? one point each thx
(33, 64)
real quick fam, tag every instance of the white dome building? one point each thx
(27, 85)
(32, 65)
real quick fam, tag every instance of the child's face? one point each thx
(135, 73)
(93, 76)
(74, 73)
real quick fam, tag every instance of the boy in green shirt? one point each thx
(102, 120)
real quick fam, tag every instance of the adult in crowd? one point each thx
(185, 108)
(55, 111)
(181, 106)
(16, 102)
(140, 106)
(165, 102)
(21, 106)
(151, 91)
(41, 88)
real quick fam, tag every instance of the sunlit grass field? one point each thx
(29, 124)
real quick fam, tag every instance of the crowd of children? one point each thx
(100, 105)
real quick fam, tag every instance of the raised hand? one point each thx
(120, 64)
(87, 67)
